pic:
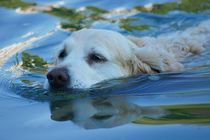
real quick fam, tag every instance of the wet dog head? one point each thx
(90, 56)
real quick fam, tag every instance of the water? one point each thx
(159, 106)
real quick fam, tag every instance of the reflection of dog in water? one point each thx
(101, 112)
(90, 56)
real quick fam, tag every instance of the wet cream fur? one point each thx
(130, 55)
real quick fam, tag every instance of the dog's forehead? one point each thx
(109, 43)
(98, 38)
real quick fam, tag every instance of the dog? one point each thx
(90, 56)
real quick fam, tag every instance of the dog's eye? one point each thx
(62, 54)
(96, 58)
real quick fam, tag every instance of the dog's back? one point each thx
(179, 44)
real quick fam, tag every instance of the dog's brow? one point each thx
(98, 51)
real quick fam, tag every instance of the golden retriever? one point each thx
(90, 56)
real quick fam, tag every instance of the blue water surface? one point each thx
(168, 106)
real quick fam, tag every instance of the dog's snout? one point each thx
(58, 78)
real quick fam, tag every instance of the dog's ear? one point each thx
(151, 60)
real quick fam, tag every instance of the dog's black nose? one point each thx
(58, 78)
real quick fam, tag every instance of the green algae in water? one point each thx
(15, 4)
(34, 63)
(182, 114)
(71, 26)
(94, 12)
(66, 13)
(129, 26)
(28, 82)
(75, 20)
(193, 6)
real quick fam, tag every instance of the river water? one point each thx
(167, 106)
